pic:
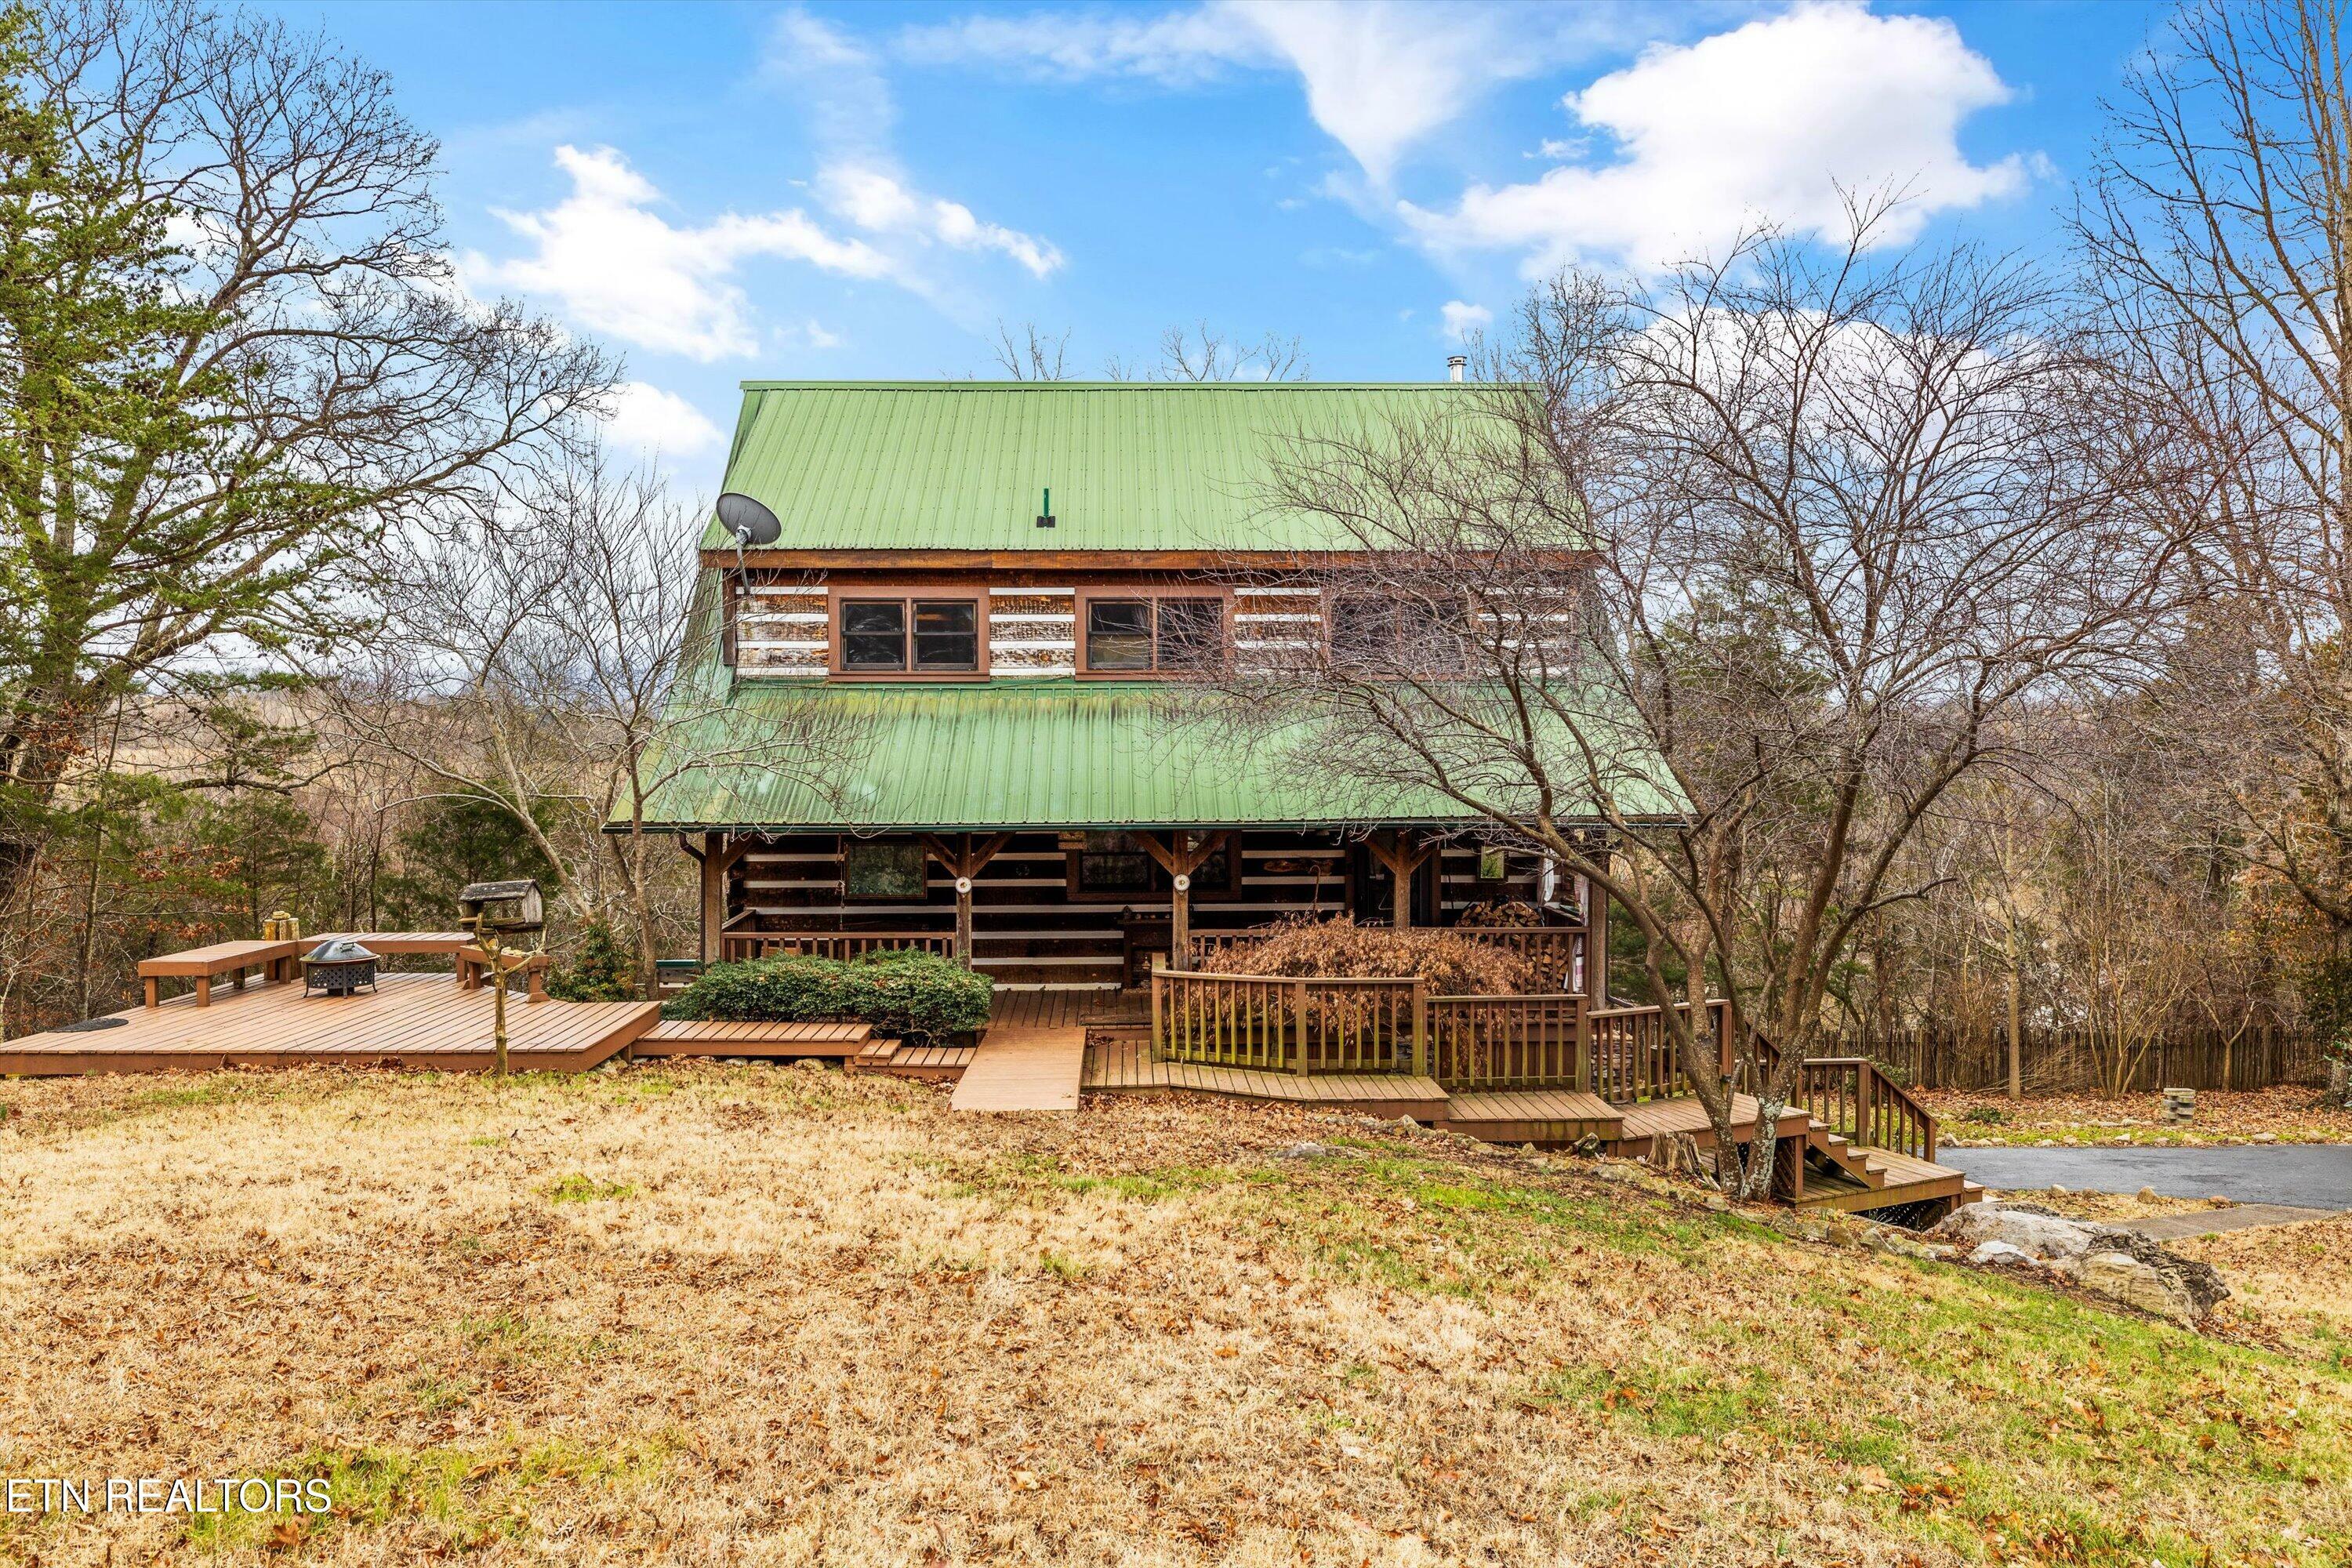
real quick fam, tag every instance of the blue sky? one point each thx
(727, 191)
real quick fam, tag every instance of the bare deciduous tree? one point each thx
(564, 651)
(1748, 571)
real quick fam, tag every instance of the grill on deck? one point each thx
(338, 969)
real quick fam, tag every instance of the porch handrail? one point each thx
(734, 946)
(1853, 1096)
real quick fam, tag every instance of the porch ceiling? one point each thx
(1010, 753)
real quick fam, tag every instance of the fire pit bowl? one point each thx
(338, 969)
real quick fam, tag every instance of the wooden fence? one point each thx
(2069, 1061)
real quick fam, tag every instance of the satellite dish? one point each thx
(749, 521)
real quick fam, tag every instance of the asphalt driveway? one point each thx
(2309, 1175)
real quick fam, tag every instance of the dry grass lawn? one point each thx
(701, 1314)
(2288, 1113)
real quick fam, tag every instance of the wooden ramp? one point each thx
(1023, 1068)
(409, 1020)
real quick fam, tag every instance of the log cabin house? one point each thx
(992, 586)
(993, 580)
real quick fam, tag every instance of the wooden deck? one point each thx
(409, 1020)
(1023, 1068)
(1125, 1066)
(1533, 1116)
(710, 1037)
(1069, 1009)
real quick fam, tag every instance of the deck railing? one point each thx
(1328, 1024)
(1634, 1054)
(1849, 1095)
(734, 946)
(1506, 1042)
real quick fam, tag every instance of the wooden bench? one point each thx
(206, 965)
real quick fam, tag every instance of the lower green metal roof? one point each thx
(1053, 752)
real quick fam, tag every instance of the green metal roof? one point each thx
(1132, 466)
(1009, 753)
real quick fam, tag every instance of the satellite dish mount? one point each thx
(749, 523)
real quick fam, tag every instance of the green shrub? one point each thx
(598, 970)
(1985, 1115)
(918, 997)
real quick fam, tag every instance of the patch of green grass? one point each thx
(1430, 1227)
(213, 1091)
(510, 1338)
(487, 1141)
(474, 1496)
(1062, 1266)
(578, 1188)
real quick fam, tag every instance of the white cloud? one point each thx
(1768, 121)
(839, 86)
(617, 267)
(819, 337)
(647, 420)
(1461, 319)
(1177, 49)
(1379, 75)
(879, 202)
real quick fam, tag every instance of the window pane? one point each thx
(1191, 633)
(1363, 630)
(882, 871)
(873, 634)
(947, 633)
(1118, 633)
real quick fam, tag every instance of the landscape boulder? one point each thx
(2109, 1260)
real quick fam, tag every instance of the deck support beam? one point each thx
(964, 860)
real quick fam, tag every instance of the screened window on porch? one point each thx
(1113, 863)
(882, 871)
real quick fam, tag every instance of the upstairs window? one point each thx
(1149, 635)
(1377, 637)
(881, 636)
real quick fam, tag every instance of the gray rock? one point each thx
(2029, 1227)
(1303, 1151)
(2120, 1277)
(2157, 1281)
(2001, 1252)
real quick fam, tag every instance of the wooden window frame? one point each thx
(1151, 595)
(975, 594)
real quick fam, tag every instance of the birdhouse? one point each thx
(513, 905)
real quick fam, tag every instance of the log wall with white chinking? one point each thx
(1027, 928)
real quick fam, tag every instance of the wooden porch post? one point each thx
(1596, 943)
(1180, 857)
(1402, 860)
(714, 892)
(964, 862)
(963, 906)
(1179, 899)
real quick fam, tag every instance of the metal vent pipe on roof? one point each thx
(1455, 365)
